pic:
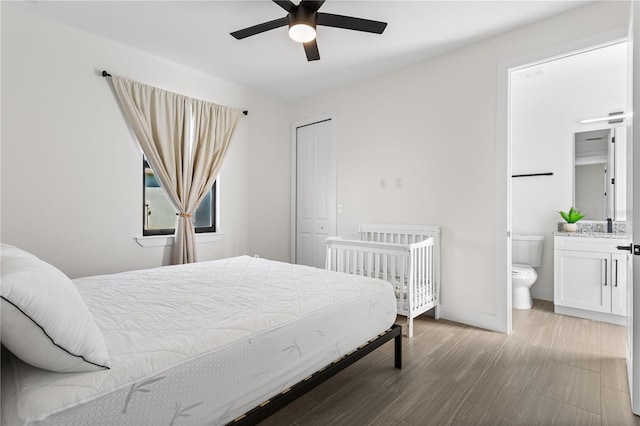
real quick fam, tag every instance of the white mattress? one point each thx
(202, 343)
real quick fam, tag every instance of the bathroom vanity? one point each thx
(590, 272)
(590, 275)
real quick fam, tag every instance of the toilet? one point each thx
(526, 254)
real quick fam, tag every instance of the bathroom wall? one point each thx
(548, 102)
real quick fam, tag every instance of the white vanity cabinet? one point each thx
(590, 277)
(619, 286)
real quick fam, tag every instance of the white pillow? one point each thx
(44, 320)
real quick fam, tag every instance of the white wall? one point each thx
(270, 177)
(546, 111)
(434, 125)
(71, 169)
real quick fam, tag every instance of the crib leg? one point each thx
(409, 327)
(437, 313)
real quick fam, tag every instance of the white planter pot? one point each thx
(570, 227)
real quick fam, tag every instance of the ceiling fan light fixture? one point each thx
(302, 19)
(302, 24)
(302, 32)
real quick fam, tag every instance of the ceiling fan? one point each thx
(302, 20)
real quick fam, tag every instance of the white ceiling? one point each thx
(196, 34)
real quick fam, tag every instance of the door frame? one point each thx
(633, 129)
(503, 157)
(294, 175)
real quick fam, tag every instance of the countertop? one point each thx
(592, 235)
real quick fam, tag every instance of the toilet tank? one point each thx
(527, 249)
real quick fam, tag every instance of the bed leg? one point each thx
(397, 355)
(409, 327)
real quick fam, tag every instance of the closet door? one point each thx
(315, 197)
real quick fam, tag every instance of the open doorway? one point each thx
(504, 227)
(558, 159)
(528, 69)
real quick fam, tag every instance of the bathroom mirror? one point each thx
(600, 174)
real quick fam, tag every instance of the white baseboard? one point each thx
(476, 319)
(595, 316)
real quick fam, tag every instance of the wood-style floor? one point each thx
(552, 370)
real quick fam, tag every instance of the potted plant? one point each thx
(571, 217)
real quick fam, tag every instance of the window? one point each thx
(159, 215)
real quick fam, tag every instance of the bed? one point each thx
(206, 343)
(407, 256)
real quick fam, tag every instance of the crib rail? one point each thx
(397, 234)
(367, 258)
(406, 256)
(422, 279)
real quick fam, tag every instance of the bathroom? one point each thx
(548, 102)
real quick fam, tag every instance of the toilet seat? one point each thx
(522, 271)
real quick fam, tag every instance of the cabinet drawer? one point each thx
(590, 244)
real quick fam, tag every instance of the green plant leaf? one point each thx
(564, 216)
(572, 216)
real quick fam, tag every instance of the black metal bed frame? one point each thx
(271, 406)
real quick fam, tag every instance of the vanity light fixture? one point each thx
(616, 116)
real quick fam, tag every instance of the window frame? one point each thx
(171, 231)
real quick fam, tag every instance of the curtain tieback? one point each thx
(186, 215)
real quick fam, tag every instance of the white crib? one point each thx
(408, 256)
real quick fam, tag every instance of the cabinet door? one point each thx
(583, 280)
(619, 283)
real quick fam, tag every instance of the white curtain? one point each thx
(185, 141)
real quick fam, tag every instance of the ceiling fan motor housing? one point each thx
(301, 15)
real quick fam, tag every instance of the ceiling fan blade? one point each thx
(312, 5)
(311, 49)
(351, 23)
(285, 4)
(260, 28)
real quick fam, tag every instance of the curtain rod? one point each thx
(533, 174)
(106, 74)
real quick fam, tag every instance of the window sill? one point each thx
(167, 240)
